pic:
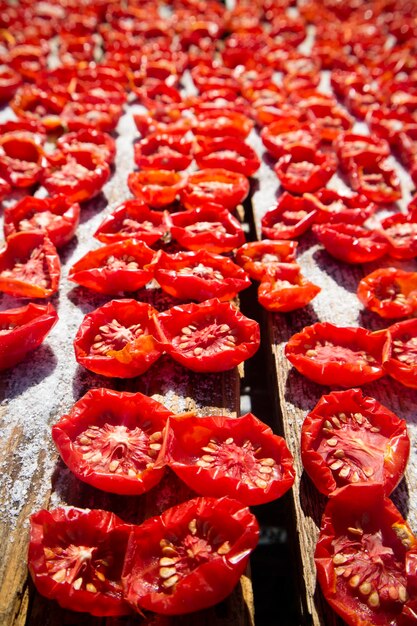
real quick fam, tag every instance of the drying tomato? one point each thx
(115, 268)
(400, 231)
(375, 178)
(352, 438)
(329, 119)
(199, 276)
(117, 339)
(229, 153)
(76, 557)
(305, 170)
(257, 257)
(223, 123)
(29, 266)
(290, 218)
(132, 219)
(288, 135)
(91, 140)
(33, 103)
(111, 440)
(158, 188)
(210, 227)
(98, 116)
(217, 186)
(209, 337)
(284, 289)
(9, 83)
(163, 152)
(350, 243)
(336, 356)
(390, 292)
(350, 146)
(5, 188)
(21, 158)
(23, 330)
(400, 352)
(58, 217)
(80, 175)
(387, 123)
(147, 123)
(190, 557)
(365, 556)
(332, 207)
(219, 455)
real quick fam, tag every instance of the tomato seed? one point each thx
(365, 588)
(373, 599)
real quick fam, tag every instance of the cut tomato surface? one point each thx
(389, 292)
(258, 257)
(284, 289)
(132, 219)
(400, 352)
(350, 243)
(290, 219)
(214, 185)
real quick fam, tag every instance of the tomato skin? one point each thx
(66, 527)
(284, 289)
(220, 123)
(288, 135)
(350, 243)
(290, 219)
(389, 292)
(95, 271)
(23, 330)
(205, 582)
(135, 356)
(399, 352)
(21, 159)
(257, 257)
(219, 232)
(199, 276)
(162, 151)
(27, 215)
(113, 411)
(90, 139)
(400, 231)
(37, 258)
(386, 533)
(344, 370)
(350, 146)
(186, 443)
(394, 450)
(158, 188)
(375, 178)
(305, 170)
(333, 207)
(229, 153)
(131, 219)
(220, 353)
(214, 185)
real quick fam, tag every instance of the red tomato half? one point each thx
(284, 289)
(305, 170)
(290, 219)
(332, 207)
(115, 268)
(158, 188)
(29, 266)
(221, 123)
(258, 257)
(400, 231)
(389, 292)
(287, 135)
(364, 556)
(22, 330)
(76, 557)
(215, 185)
(229, 153)
(336, 356)
(132, 219)
(199, 276)
(219, 455)
(350, 243)
(209, 337)
(21, 158)
(400, 352)
(375, 178)
(117, 339)
(163, 152)
(190, 557)
(89, 139)
(351, 438)
(58, 217)
(111, 440)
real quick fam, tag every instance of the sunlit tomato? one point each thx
(132, 219)
(337, 356)
(76, 557)
(220, 455)
(23, 330)
(330, 120)
(111, 440)
(158, 188)
(229, 153)
(221, 123)
(91, 140)
(400, 352)
(163, 152)
(375, 178)
(284, 289)
(287, 135)
(350, 243)
(400, 231)
(58, 217)
(257, 257)
(305, 170)
(214, 185)
(202, 544)
(5, 188)
(117, 339)
(352, 438)
(206, 78)
(29, 266)
(333, 207)
(199, 276)
(210, 227)
(146, 124)
(364, 557)
(116, 268)
(406, 144)
(350, 146)
(387, 123)
(209, 337)
(390, 292)
(289, 219)
(158, 94)
(9, 83)
(80, 175)
(81, 115)
(21, 158)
